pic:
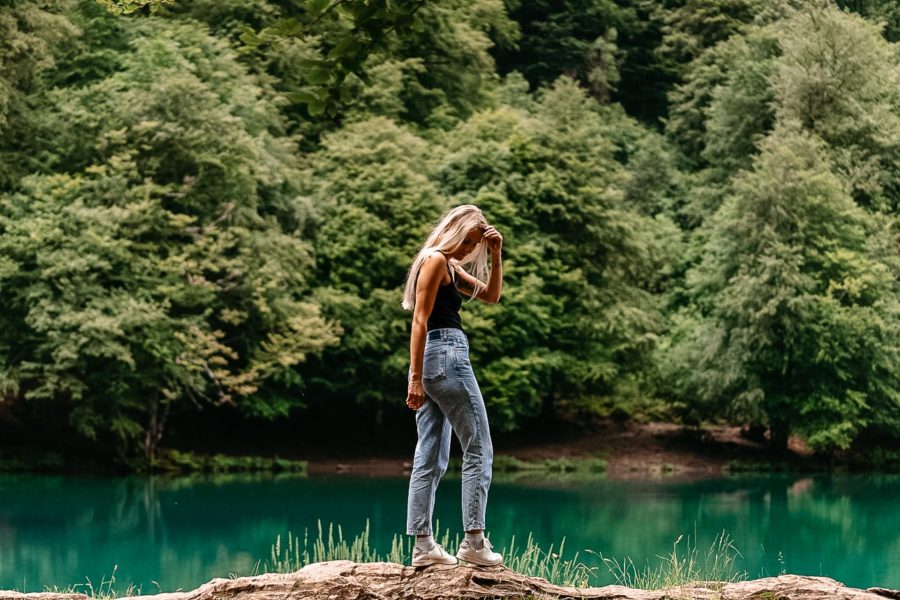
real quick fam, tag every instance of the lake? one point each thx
(179, 533)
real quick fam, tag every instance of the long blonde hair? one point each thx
(446, 236)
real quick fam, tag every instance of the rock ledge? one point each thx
(346, 580)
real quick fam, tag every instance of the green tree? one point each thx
(796, 296)
(841, 80)
(723, 105)
(457, 74)
(879, 11)
(344, 32)
(829, 70)
(695, 25)
(30, 39)
(580, 313)
(374, 199)
(161, 264)
(610, 47)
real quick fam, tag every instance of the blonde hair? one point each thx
(446, 236)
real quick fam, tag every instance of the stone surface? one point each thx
(346, 580)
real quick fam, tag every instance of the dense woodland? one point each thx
(212, 205)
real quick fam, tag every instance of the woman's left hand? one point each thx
(493, 239)
(415, 394)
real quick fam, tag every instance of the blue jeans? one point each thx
(452, 400)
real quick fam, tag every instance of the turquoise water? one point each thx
(180, 533)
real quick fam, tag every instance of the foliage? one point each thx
(456, 74)
(346, 32)
(374, 201)
(31, 38)
(878, 11)
(556, 37)
(188, 462)
(794, 100)
(502, 463)
(157, 267)
(607, 45)
(829, 70)
(718, 563)
(723, 103)
(796, 304)
(217, 202)
(840, 79)
(580, 315)
(106, 589)
(695, 25)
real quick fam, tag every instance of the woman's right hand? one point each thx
(415, 395)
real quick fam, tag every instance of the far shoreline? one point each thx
(631, 450)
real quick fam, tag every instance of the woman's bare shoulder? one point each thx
(433, 265)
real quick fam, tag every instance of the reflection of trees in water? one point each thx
(812, 520)
(60, 530)
(178, 482)
(843, 516)
(134, 510)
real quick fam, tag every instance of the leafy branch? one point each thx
(351, 30)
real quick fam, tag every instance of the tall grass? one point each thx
(293, 553)
(105, 590)
(677, 569)
(550, 565)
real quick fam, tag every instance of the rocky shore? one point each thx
(347, 580)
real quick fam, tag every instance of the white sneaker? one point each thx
(435, 556)
(480, 556)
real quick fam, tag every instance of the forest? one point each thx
(209, 208)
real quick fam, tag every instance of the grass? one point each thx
(168, 461)
(46, 461)
(676, 569)
(764, 466)
(105, 590)
(510, 467)
(292, 554)
(190, 462)
(550, 565)
(511, 464)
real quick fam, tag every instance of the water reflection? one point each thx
(183, 532)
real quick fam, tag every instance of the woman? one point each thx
(442, 387)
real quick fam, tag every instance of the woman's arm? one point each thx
(489, 293)
(430, 276)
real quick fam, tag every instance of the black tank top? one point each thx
(445, 313)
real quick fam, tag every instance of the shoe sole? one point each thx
(434, 562)
(480, 564)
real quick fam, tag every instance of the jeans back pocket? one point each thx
(434, 367)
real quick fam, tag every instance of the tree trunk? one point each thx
(778, 436)
(156, 424)
(150, 435)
